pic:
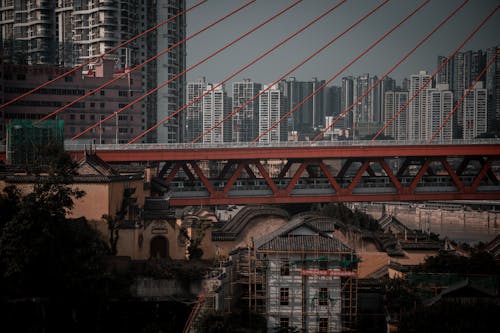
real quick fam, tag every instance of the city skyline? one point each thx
(341, 52)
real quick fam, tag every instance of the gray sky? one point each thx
(330, 61)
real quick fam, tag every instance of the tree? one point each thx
(194, 241)
(43, 253)
(115, 222)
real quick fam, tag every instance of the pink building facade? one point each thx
(16, 80)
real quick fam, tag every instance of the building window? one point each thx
(323, 264)
(285, 267)
(323, 325)
(323, 296)
(92, 104)
(102, 105)
(82, 117)
(284, 296)
(72, 117)
(102, 93)
(284, 322)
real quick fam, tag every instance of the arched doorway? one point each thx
(158, 247)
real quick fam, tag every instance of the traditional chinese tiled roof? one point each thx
(315, 243)
(240, 221)
(157, 208)
(299, 235)
(93, 165)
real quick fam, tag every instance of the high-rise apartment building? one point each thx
(245, 121)
(394, 101)
(271, 109)
(194, 112)
(69, 32)
(439, 103)
(417, 112)
(332, 104)
(475, 107)
(445, 75)
(65, 32)
(367, 114)
(459, 74)
(215, 106)
(345, 101)
(493, 88)
(169, 99)
(364, 109)
(387, 84)
(309, 115)
(466, 67)
(28, 31)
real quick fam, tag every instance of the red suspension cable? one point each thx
(237, 72)
(102, 55)
(423, 40)
(145, 62)
(368, 49)
(137, 100)
(326, 45)
(481, 24)
(448, 117)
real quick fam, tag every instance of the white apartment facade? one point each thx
(475, 112)
(394, 101)
(194, 112)
(271, 108)
(246, 120)
(215, 107)
(417, 117)
(439, 106)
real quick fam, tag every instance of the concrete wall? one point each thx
(462, 225)
(148, 287)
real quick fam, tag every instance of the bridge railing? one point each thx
(69, 146)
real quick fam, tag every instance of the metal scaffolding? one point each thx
(25, 138)
(317, 289)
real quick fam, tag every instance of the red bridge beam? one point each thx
(333, 198)
(197, 153)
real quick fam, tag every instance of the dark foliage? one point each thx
(43, 253)
(49, 263)
(356, 218)
(478, 263)
(452, 317)
(237, 321)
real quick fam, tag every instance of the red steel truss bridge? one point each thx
(301, 172)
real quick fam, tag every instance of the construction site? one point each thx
(299, 277)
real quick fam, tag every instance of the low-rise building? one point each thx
(298, 277)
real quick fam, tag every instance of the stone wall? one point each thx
(482, 225)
